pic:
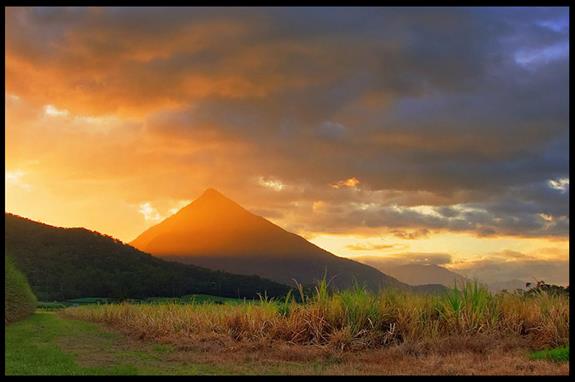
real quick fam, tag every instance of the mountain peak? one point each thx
(213, 199)
(210, 192)
(210, 206)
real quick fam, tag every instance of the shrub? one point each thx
(543, 287)
(19, 301)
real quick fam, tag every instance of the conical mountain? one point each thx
(215, 232)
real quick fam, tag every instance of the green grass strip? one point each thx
(31, 348)
(560, 354)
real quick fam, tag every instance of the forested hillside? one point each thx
(65, 263)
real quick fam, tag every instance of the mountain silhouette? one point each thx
(417, 274)
(216, 232)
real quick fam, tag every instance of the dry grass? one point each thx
(353, 320)
(256, 358)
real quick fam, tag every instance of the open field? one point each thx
(187, 299)
(48, 344)
(468, 331)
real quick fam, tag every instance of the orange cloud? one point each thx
(346, 183)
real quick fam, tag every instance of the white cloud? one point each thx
(11, 97)
(14, 178)
(561, 184)
(52, 111)
(181, 204)
(273, 184)
(149, 212)
(541, 56)
(152, 214)
(425, 210)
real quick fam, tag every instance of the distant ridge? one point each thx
(215, 232)
(417, 274)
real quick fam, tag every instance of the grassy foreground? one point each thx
(49, 344)
(31, 348)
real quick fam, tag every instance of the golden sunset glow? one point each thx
(359, 140)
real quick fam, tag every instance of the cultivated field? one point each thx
(469, 328)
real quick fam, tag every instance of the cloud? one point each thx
(495, 267)
(149, 212)
(179, 205)
(453, 119)
(389, 261)
(561, 184)
(516, 213)
(14, 178)
(508, 265)
(536, 57)
(273, 184)
(331, 130)
(52, 111)
(413, 235)
(349, 183)
(372, 247)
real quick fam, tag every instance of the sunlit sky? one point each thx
(429, 135)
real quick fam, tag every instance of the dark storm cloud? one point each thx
(440, 107)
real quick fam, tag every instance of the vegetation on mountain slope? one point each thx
(67, 263)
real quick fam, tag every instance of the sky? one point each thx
(434, 135)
